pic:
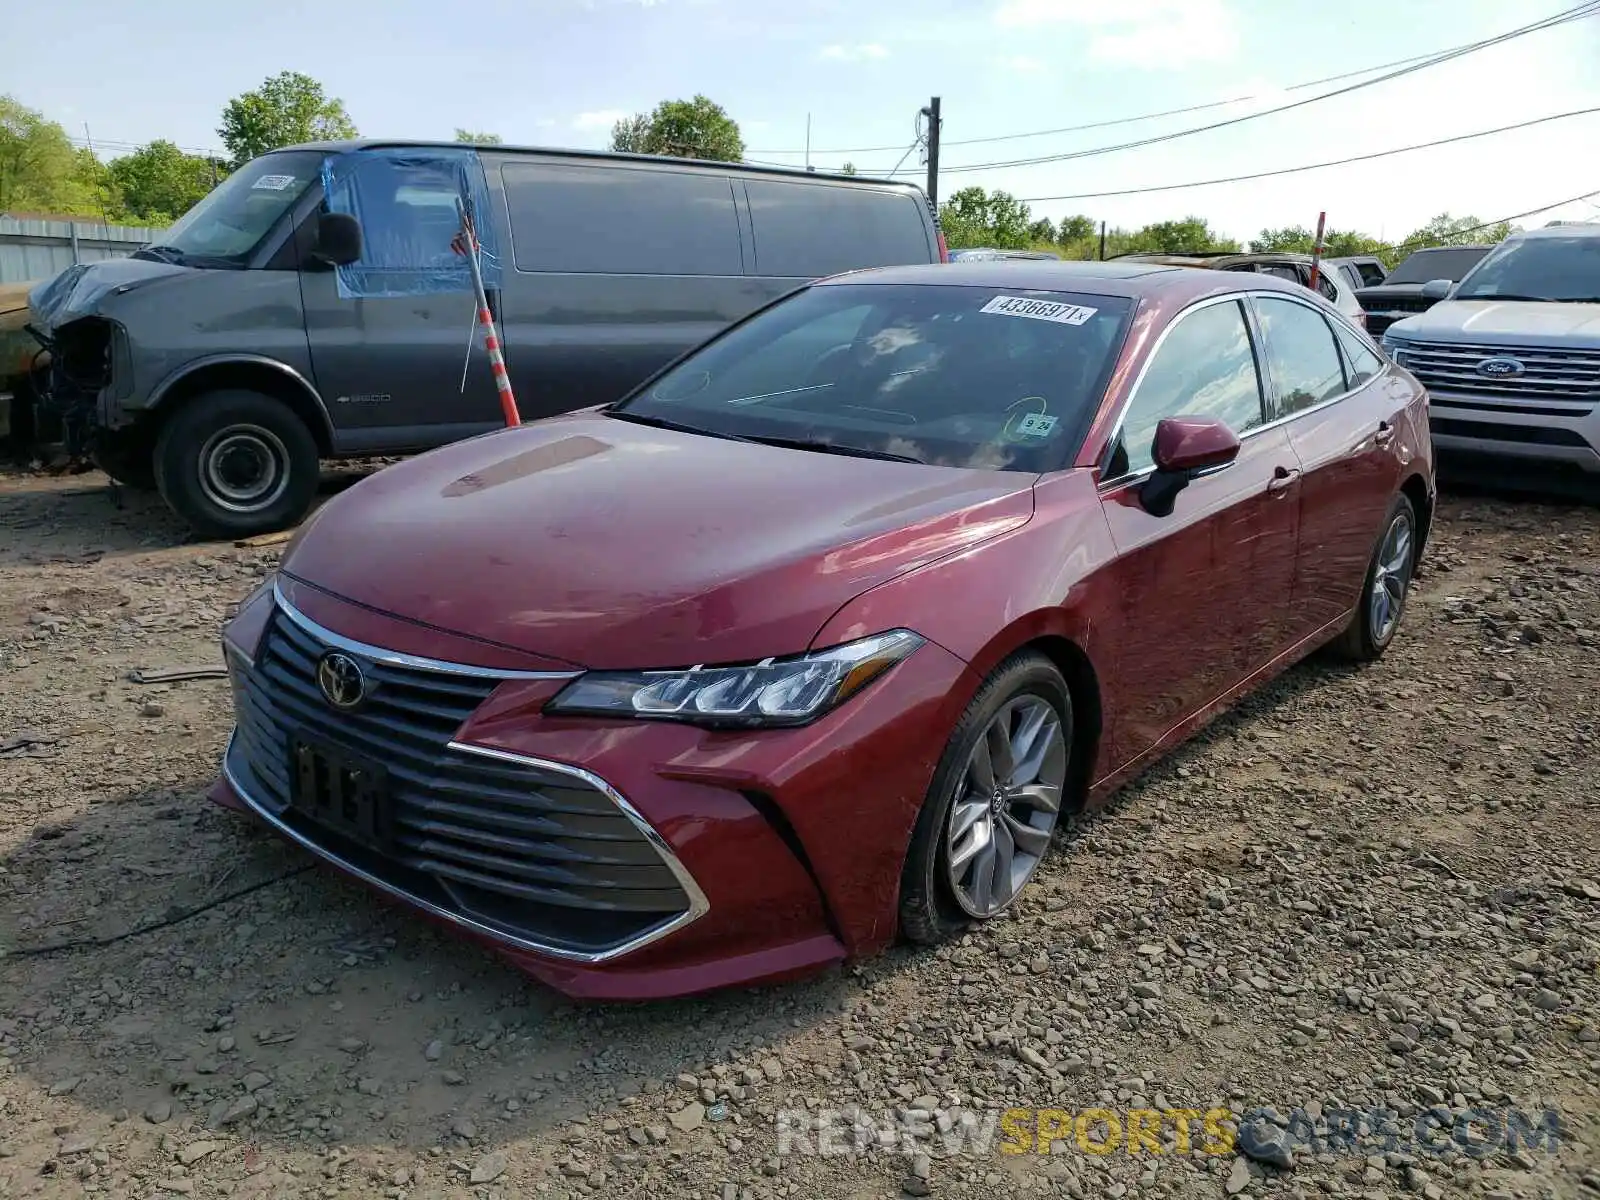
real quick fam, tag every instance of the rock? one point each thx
(368, 1086)
(1238, 1177)
(151, 708)
(195, 1151)
(452, 1078)
(1147, 990)
(65, 1087)
(772, 1069)
(913, 1185)
(254, 1081)
(241, 1108)
(1267, 1143)
(159, 1112)
(489, 1168)
(1547, 1000)
(689, 1117)
(463, 1127)
(433, 1051)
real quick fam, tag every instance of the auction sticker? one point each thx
(273, 183)
(1039, 310)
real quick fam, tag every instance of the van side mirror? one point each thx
(1437, 289)
(338, 239)
(1184, 448)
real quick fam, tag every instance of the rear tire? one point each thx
(1385, 586)
(128, 458)
(237, 463)
(973, 809)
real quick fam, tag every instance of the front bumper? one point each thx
(785, 846)
(1567, 433)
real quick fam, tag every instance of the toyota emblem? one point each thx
(341, 680)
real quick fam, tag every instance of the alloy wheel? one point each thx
(1390, 578)
(1006, 806)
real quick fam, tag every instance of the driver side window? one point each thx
(1206, 367)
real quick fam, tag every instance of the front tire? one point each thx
(994, 802)
(237, 463)
(1385, 587)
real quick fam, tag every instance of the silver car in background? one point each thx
(1511, 355)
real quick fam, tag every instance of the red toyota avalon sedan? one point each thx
(811, 640)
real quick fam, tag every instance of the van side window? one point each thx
(807, 230)
(596, 220)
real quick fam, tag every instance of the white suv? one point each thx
(1511, 355)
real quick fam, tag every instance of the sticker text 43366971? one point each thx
(1039, 310)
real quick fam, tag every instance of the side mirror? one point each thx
(1184, 448)
(1437, 289)
(338, 239)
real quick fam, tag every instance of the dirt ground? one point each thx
(1366, 890)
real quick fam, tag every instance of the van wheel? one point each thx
(237, 463)
(128, 458)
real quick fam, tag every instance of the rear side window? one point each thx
(807, 230)
(614, 221)
(1302, 357)
(1361, 362)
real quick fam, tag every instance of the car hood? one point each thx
(78, 291)
(1388, 291)
(611, 545)
(1506, 322)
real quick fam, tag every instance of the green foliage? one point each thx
(40, 169)
(697, 128)
(975, 217)
(848, 169)
(158, 183)
(286, 109)
(475, 138)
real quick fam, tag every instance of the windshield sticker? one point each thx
(273, 183)
(1039, 310)
(1035, 425)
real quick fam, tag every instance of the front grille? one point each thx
(1548, 374)
(536, 853)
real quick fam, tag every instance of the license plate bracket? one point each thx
(344, 794)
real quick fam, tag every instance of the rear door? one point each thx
(1205, 589)
(615, 269)
(1341, 410)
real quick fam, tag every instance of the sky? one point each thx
(559, 72)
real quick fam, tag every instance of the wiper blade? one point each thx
(833, 448)
(1504, 296)
(623, 414)
(166, 254)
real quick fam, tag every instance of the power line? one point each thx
(1338, 162)
(1532, 212)
(1441, 55)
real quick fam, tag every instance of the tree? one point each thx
(158, 183)
(287, 109)
(697, 128)
(1191, 235)
(1445, 230)
(848, 169)
(1336, 243)
(478, 139)
(1042, 230)
(41, 170)
(974, 217)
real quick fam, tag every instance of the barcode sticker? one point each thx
(1039, 310)
(273, 183)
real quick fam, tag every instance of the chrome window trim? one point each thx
(1248, 297)
(698, 904)
(394, 658)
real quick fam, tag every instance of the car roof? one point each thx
(1201, 260)
(1575, 229)
(1133, 280)
(354, 144)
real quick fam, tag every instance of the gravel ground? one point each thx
(1371, 891)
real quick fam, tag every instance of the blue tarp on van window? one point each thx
(405, 200)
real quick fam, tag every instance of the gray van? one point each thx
(312, 306)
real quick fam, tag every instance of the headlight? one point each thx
(1396, 348)
(776, 691)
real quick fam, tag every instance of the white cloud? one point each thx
(858, 52)
(1139, 33)
(1021, 64)
(604, 118)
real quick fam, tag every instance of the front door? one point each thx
(389, 366)
(1205, 589)
(1343, 412)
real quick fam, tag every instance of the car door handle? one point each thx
(1283, 478)
(1385, 434)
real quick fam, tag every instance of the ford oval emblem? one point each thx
(1501, 366)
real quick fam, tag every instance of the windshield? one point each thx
(1427, 265)
(229, 223)
(1540, 268)
(959, 376)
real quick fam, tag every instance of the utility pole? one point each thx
(1102, 241)
(932, 113)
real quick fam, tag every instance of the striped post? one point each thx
(466, 242)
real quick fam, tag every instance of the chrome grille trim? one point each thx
(1550, 375)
